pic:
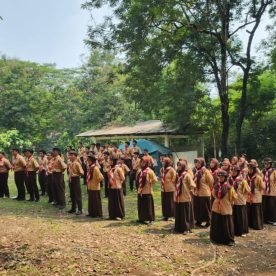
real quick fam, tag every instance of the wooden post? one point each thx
(167, 141)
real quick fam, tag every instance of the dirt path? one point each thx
(66, 245)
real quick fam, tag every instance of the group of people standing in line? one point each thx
(229, 197)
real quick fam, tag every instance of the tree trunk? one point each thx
(225, 127)
(242, 111)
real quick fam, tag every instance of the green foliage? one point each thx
(12, 138)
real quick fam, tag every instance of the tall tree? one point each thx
(209, 31)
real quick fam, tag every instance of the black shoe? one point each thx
(21, 199)
(165, 219)
(79, 213)
(71, 211)
(207, 225)
(61, 207)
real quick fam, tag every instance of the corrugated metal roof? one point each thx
(152, 127)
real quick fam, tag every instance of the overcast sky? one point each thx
(50, 31)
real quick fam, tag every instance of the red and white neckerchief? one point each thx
(235, 182)
(178, 185)
(140, 180)
(250, 181)
(266, 179)
(89, 173)
(164, 172)
(27, 166)
(219, 193)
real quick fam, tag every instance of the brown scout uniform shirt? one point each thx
(224, 205)
(206, 184)
(188, 186)
(151, 180)
(256, 197)
(272, 181)
(42, 162)
(169, 184)
(18, 163)
(136, 164)
(5, 165)
(242, 192)
(75, 169)
(94, 184)
(106, 165)
(31, 164)
(58, 164)
(119, 178)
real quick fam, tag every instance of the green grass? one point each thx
(44, 209)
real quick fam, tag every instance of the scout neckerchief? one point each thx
(90, 172)
(179, 185)
(142, 179)
(266, 176)
(235, 181)
(220, 191)
(164, 172)
(251, 182)
(28, 166)
(111, 177)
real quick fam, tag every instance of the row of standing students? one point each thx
(240, 198)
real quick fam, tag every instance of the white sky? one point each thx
(52, 31)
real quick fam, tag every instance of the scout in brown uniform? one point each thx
(19, 164)
(222, 226)
(116, 177)
(126, 172)
(254, 198)
(5, 166)
(146, 179)
(239, 209)
(168, 176)
(226, 165)
(135, 148)
(214, 169)
(135, 167)
(94, 178)
(269, 196)
(243, 166)
(42, 161)
(116, 153)
(58, 181)
(49, 178)
(183, 200)
(75, 173)
(30, 170)
(106, 167)
(150, 159)
(127, 154)
(204, 184)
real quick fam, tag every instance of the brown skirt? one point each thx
(222, 229)
(255, 215)
(146, 208)
(95, 204)
(240, 219)
(116, 205)
(167, 204)
(269, 208)
(202, 208)
(183, 216)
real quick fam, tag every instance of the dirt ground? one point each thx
(62, 244)
(37, 239)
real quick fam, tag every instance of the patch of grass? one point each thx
(44, 209)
